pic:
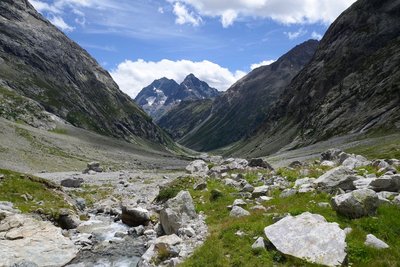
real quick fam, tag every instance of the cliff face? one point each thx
(242, 108)
(352, 85)
(39, 63)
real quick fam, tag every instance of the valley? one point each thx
(297, 163)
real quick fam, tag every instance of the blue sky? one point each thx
(219, 41)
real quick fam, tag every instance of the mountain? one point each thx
(43, 72)
(164, 94)
(351, 86)
(153, 97)
(185, 116)
(238, 112)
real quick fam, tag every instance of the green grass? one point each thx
(292, 174)
(384, 148)
(224, 248)
(14, 186)
(59, 131)
(93, 193)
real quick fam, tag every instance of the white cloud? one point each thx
(133, 76)
(283, 11)
(42, 6)
(297, 34)
(262, 63)
(160, 10)
(316, 36)
(60, 23)
(228, 17)
(183, 16)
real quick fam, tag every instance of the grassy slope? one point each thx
(46, 199)
(224, 248)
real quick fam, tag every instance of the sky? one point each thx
(219, 41)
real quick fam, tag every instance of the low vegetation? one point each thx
(31, 194)
(225, 248)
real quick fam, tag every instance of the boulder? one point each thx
(72, 182)
(380, 164)
(385, 183)
(134, 216)
(235, 164)
(67, 219)
(355, 162)
(259, 162)
(309, 237)
(288, 193)
(238, 212)
(93, 167)
(197, 167)
(37, 242)
(328, 163)
(295, 164)
(300, 182)
(178, 211)
(373, 241)
(356, 204)
(339, 177)
(260, 191)
(247, 188)
(331, 154)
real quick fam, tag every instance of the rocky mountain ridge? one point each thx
(239, 111)
(46, 72)
(164, 94)
(352, 84)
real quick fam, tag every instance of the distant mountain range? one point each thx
(164, 94)
(43, 72)
(238, 112)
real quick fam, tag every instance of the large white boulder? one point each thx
(23, 238)
(178, 211)
(309, 237)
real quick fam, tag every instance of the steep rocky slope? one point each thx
(184, 117)
(164, 94)
(352, 85)
(49, 73)
(239, 112)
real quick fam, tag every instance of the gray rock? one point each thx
(261, 191)
(177, 212)
(188, 231)
(72, 182)
(356, 204)
(134, 216)
(239, 202)
(355, 162)
(288, 193)
(373, 241)
(200, 186)
(25, 264)
(396, 201)
(309, 237)
(259, 162)
(197, 167)
(328, 163)
(380, 163)
(259, 208)
(238, 212)
(247, 188)
(67, 219)
(385, 183)
(300, 182)
(80, 203)
(331, 154)
(339, 177)
(258, 244)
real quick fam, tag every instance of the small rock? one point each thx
(328, 163)
(238, 212)
(188, 231)
(324, 205)
(197, 167)
(200, 186)
(259, 208)
(348, 230)
(72, 182)
(240, 233)
(260, 163)
(373, 241)
(80, 203)
(247, 188)
(264, 199)
(288, 193)
(258, 244)
(239, 202)
(67, 220)
(260, 191)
